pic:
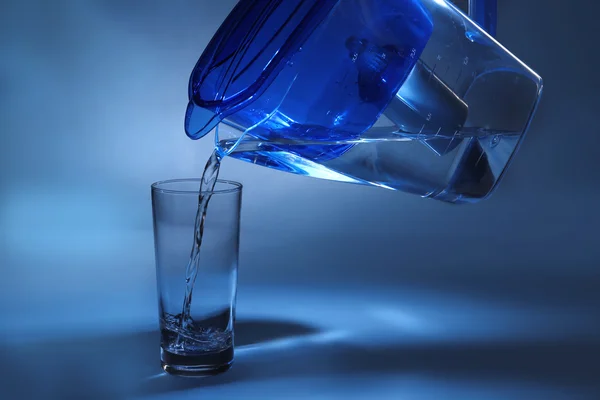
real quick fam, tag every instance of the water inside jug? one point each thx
(407, 95)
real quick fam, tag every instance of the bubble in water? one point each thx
(495, 140)
(475, 37)
(193, 338)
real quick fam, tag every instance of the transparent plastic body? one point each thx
(407, 95)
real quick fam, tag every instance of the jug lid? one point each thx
(249, 49)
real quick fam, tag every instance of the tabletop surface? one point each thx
(319, 343)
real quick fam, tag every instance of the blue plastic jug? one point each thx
(408, 95)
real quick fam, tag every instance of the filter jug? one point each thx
(408, 95)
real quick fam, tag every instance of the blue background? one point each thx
(345, 291)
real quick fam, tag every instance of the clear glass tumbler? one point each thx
(198, 341)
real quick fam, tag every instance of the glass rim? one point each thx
(233, 186)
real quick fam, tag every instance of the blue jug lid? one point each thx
(245, 55)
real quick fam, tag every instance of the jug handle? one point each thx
(485, 14)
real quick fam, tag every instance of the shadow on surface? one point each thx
(119, 366)
(569, 365)
(111, 366)
(249, 332)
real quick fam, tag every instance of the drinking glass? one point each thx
(200, 341)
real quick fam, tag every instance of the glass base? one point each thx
(196, 365)
(195, 370)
